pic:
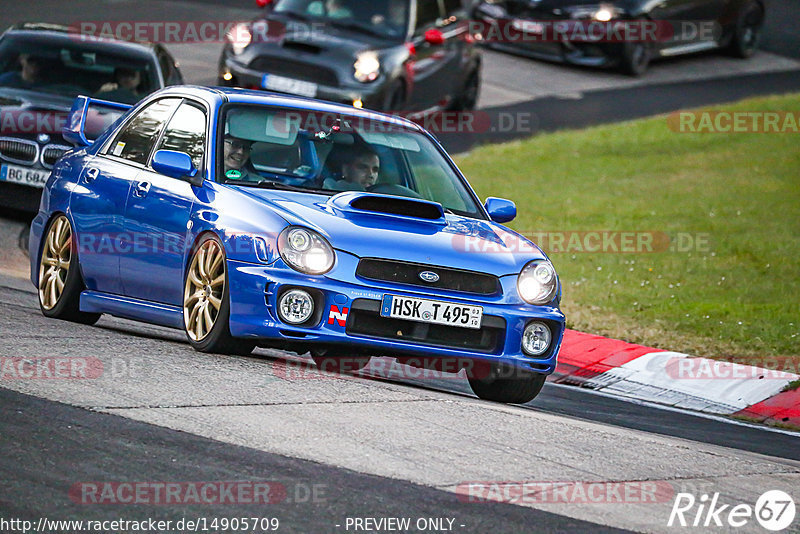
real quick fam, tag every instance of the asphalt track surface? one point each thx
(47, 447)
(376, 447)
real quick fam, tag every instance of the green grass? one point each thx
(737, 298)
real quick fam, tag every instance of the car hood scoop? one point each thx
(302, 46)
(389, 206)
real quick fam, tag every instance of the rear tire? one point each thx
(60, 282)
(747, 33)
(206, 301)
(520, 388)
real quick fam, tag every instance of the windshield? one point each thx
(72, 69)
(387, 18)
(330, 153)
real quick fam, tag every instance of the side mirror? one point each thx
(434, 37)
(176, 165)
(500, 210)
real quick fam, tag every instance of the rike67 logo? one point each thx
(774, 510)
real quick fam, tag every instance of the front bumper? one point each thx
(349, 318)
(577, 52)
(372, 95)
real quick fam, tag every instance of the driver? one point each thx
(124, 88)
(359, 172)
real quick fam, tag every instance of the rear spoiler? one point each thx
(89, 117)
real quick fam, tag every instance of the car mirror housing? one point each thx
(176, 165)
(434, 37)
(500, 210)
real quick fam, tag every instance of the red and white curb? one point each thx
(678, 380)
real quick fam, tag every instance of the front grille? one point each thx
(19, 150)
(364, 319)
(51, 153)
(408, 273)
(298, 70)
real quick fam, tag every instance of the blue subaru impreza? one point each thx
(251, 219)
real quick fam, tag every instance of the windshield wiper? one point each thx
(350, 25)
(293, 15)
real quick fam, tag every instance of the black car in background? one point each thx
(387, 55)
(43, 67)
(680, 27)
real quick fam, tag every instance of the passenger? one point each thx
(236, 160)
(30, 73)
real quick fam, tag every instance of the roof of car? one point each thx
(57, 33)
(250, 96)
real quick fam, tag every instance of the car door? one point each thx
(99, 199)
(430, 83)
(168, 66)
(690, 20)
(157, 214)
(454, 26)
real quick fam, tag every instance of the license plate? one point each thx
(431, 311)
(289, 85)
(528, 26)
(23, 175)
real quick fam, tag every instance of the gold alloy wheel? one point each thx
(54, 267)
(205, 287)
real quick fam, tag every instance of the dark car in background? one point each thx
(679, 26)
(387, 55)
(43, 67)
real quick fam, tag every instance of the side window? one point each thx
(427, 14)
(186, 132)
(136, 141)
(452, 7)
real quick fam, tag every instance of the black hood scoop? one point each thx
(389, 205)
(301, 46)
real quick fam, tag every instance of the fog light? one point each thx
(295, 306)
(536, 339)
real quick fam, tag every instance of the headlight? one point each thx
(602, 12)
(537, 283)
(239, 37)
(367, 67)
(305, 250)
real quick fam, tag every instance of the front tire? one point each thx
(60, 282)
(395, 98)
(747, 33)
(635, 58)
(206, 301)
(468, 98)
(520, 388)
